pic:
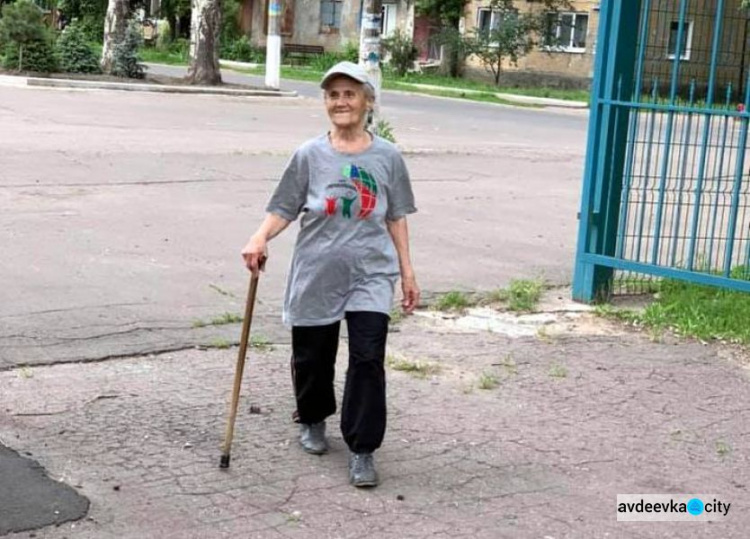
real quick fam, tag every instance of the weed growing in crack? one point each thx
(488, 381)
(524, 294)
(418, 369)
(221, 320)
(221, 344)
(509, 365)
(557, 371)
(261, 342)
(453, 301)
(395, 316)
(723, 449)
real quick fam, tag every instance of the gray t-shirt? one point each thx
(344, 258)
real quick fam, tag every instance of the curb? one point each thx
(524, 99)
(15, 81)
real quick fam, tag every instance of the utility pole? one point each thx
(369, 49)
(273, 45)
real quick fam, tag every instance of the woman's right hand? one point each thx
(255, 254)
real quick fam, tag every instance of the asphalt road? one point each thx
(122, 214)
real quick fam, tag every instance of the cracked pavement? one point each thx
(123, 215)
(542, 455)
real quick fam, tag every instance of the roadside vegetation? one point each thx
(521, 296)
(690, 310)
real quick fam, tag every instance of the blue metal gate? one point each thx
(666, 188)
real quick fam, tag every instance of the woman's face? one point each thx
(346, 103)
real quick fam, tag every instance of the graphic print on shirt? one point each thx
(355, 183)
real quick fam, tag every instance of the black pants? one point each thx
(363, 410)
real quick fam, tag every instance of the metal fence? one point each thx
(666, 190)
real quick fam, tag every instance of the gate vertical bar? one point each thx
(715, 45)
(738, 176)
(635, 123)
(607, 143)
(666, 154)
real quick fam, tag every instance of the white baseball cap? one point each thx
(347, 69)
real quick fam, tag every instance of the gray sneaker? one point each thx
(362, 470)
(313, 438)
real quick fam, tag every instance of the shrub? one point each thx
(125, 55)
(21, 23)
(403, 52)
(24, 38)
(327, 60)
(351, 52)
(241, 50)
(180, 46)
(32, 56)
(73, 52)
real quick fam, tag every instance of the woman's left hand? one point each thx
(411, 294)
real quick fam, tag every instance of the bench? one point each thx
(295, 52)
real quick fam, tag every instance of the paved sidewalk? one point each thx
(575, 420)
(134, 86)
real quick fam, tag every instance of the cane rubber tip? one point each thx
(224, 461)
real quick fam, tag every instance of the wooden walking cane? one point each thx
(250, 305)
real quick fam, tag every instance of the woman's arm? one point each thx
(399, 232)
(256, 250)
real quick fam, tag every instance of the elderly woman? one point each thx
(353, 191)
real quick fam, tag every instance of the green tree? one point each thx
(175, 11)
(22, 30)
(449, 14)
(513, 34)
(402, 50)
(125, 54)
(74, 54)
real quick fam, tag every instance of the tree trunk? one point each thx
(115, 24)
(204, 42)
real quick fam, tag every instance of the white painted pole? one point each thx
(273, 46)
(369, 49)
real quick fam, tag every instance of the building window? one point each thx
(489, 20)
(330, 15)
(687, 40)
(566, 32)
(387, 20)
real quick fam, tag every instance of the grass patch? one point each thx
(221, 320)
(448, 82)
(453, 301)
(706, 313)
(395, 316)
(261, 342)
(483, 97)
(418, 369)
(691, 310)
(723, 449)
(557, 371)
(226, 318)
(509, 365)
(499, 295)
(156, 56)
(524, 294)
(389, 82)
(221, 344)
(606, 310)
(488, 381)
